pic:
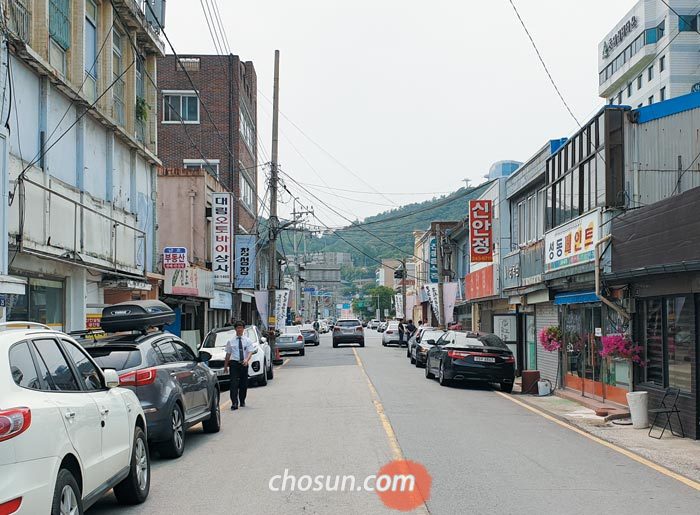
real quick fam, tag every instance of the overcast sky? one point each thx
(412, 97)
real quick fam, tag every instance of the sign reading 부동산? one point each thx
(222, 237)
(572, 243)
(245, 261)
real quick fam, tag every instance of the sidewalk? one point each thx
(681, 455)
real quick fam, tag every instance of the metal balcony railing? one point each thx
(19, 19)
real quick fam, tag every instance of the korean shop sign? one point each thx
(175, 257)
(245, 261)
(481, 284)
(481, 231)
(433, 261)
(222, 237)
(572, 243)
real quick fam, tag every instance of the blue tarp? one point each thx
(575, 297)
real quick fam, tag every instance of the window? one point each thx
(629, 90)
(662, 63)
(89, 375)
(59, 33)
(22, 367)
(521, 223)
(662, 94)
(90, 49)
(59, 375)
(619, 98)
(43, 303)
(167, 352)
(210, 165)
(180, 107)
(650, 100)
(247, 192)
(184, 351)
(653, 336)
(688, 23)
(639, 83)
(117, 70)
(650, 73)
(247, 129)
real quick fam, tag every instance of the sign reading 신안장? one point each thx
(481, 231)
(174, 257)
(245, 261)
(572, 243)
(222, 237)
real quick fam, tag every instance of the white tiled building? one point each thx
(652, 54)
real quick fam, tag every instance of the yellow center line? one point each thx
(663, 470)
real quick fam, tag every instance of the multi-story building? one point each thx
(208, 141)
(652, 54)
(80, 157)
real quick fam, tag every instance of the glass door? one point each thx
(530, 342)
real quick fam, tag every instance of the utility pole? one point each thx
(404, 276)
(274, 222)
(441, 276)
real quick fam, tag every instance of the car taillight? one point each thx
(358, 329)
(300, 338)
(457, 354)
(141, 377)
(14, 422)
(336, 329)
(508, 359)
(389, 332)
(10, 507)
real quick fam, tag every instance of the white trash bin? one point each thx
(543, 388)
(638, 403)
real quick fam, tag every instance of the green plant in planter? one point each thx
(142, 109)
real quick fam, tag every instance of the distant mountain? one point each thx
(390, 234)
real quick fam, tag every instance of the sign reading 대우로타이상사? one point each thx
(572, 243)
(175, 257)
(245, 261)
(222, 237)
(481, 231)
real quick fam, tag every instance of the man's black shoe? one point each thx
(234, 407)
(242, 404)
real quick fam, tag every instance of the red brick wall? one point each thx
(212, 138)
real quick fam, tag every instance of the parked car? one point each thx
(391, 334)
(373, 324)
(364, 323)
(323, 327)
(428, 338)
(175, 387)
(415, 340)
(348, 331)
(68, 432)
(260, 367)
(459, 356)
(382, 327)
(310, 334)
(291, 340)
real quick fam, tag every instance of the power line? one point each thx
(333, 188)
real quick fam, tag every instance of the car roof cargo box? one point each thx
(136, 315)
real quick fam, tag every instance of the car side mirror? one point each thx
(203, 356)
(430, 342)
(111, 378)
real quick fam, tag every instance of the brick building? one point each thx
(207, 141)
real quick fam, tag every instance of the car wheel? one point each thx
(213, 423)
(175, 445)
(262, 381)
(362, 343)
(413, 360)
(66, 495)
(428, 373)
(507, 387)
(135, 487)
(271, 372)
(408, 352)
(302, 352)
(317, 344)
(384, 344)
(441, 376)
(335, 345)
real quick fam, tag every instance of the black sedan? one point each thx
(469, 356)
(428, 339)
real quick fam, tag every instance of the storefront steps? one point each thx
(679, 455)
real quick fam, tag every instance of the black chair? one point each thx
(668, 407)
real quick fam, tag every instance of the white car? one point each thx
(373, 324)
(323, 326)
(260, 366)
(391, 334)
(68, 433)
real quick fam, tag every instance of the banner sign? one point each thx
(431, 291)
(480, 284)
(190, 282)
(433, 260)
(398, 302)
(481, 231)
(261, 297)
(175, 257)
(572, 243)
(449, 297)
(281, 302)
(245, 261)
(222, 237)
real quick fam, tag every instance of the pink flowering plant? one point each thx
(551, 338)
(620, 346)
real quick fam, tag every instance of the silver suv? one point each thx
(348, 330)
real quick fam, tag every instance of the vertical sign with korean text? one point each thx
(222, 237)
(175, 257)
(433, 261)
(481, 231)
(281, 303)
(245, 261)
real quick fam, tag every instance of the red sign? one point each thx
(481, 231)
(479, 284)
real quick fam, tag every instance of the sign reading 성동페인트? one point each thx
(481, 231)
(245, 261)
(222, 236)
(572, 243)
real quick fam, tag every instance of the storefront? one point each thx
(43, 302)
(188, 291)
(220, 309)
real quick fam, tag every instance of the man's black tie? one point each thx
(240, 350)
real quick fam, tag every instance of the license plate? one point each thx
(220, 372)
(484, 360)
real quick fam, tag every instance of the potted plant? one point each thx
(621, 347)
(551, 338)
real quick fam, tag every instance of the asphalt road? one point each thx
(485, 453)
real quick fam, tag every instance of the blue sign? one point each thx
(2, 301)
(245, 261)
(309, 290)
(433, 261)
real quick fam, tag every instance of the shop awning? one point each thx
(575, 297)
(12, 285)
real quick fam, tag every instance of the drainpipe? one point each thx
(192, 195)
(602, 298)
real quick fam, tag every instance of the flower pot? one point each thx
(638, 403)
